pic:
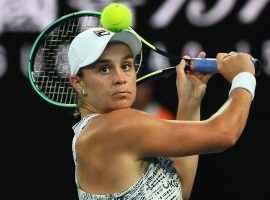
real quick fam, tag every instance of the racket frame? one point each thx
(140, 80)
(34, 49)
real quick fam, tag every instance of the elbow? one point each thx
(228, 135)
(230, 140)
(232, 136)
(186, 196)
(186, 191)
(227, 141)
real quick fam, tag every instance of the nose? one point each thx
(119, 77)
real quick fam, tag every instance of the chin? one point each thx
(122, 105)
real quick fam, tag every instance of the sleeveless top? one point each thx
(159, 181)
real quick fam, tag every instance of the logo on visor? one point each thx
(101, 32)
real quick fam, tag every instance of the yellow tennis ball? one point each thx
(116, 17)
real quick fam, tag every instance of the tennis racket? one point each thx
(193, 64)
(48, 66)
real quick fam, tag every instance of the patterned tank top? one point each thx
(159, 181)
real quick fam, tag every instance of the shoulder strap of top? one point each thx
(81, 124)
(77, 128)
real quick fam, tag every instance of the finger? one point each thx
(202, 77)
(206, 77)
(227, 56)
(180, 69)
(248, 55)
(199, 74)
(202, 55)
(220, 56)
(187, 57)
(233, 53)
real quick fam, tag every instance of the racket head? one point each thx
(48, 66)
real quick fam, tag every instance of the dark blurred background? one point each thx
(36, 136)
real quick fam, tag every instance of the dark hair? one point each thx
(77, 113)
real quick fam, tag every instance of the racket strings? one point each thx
(51, 68)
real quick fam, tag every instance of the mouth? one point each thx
(121, 94)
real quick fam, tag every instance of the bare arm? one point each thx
(191, 89)
(187, 166)
(137, 133)
(140, 134)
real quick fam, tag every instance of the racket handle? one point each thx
(210, 65)
(193, 64)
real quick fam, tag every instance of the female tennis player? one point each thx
(122, 153)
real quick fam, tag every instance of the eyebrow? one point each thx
(128, 56)
(100, 61)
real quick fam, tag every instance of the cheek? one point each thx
(96, 90)
(101, 91)
(134, 87)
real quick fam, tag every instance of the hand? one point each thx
(191, 86)
(229, 65)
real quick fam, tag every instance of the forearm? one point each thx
(188, 110)
(187, 166)
(232, 116)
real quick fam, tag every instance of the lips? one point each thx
(121, 93)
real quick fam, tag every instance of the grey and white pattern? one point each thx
(159, 181)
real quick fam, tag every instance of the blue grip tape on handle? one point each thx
(207, 64)
(204, 65)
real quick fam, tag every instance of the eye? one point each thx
(126, 66)
(104, 70)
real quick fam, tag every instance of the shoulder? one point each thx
(106, 131)
(122, 115)
(109, 122)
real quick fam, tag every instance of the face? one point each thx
(110, 82)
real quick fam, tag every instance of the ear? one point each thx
(76, 82)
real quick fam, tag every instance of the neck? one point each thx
(84, 112)
(86, 108)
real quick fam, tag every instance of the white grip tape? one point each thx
(244, 80)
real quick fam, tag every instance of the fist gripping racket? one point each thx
(48, 66)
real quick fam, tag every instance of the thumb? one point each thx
(180, 69)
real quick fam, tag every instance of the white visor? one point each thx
(89, 45)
